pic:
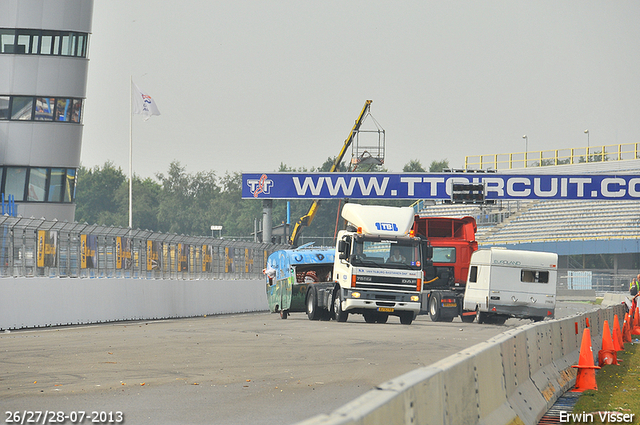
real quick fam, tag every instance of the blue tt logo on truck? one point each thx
(389, 227)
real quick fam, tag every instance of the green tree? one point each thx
(413, 166)
(97, 197)
(184, 200)
(438, 166)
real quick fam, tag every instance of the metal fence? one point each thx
(39, 247)
(600, 281)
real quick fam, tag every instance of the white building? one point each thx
(43, 80)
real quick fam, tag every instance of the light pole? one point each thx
(587, 133)
(526, 148)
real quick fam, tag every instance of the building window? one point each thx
(7, 40)
(70, 187)
(4, 107)
(37, 184)
(43, 42)
(47, 45)
(44, 108)
(77, 107)
(40, 184)
(56, 185)
(63, 110)
(15, 180)
(20, 108)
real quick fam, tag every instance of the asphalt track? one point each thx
(229, 369)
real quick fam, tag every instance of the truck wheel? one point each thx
(537, 318)
(338, 314)
(369, 317)
(284, 314)
(406, 318)
(312, 305)
(434, 308)
(481, 316)
(325, 315)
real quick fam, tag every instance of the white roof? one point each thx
(515, 258)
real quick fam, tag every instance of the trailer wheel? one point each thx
(312, 305)
(499, 319)
(406, 318)
(481, 316)
(338, 314)
(469, 318)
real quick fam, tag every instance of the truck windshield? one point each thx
(387, 254)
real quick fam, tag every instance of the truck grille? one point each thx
(381, 283)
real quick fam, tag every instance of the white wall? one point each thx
(41, 301)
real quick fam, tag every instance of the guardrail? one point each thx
(518, 160)
(37, 247)
(513, 378)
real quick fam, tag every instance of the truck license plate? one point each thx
(385, 309)
(448, 304)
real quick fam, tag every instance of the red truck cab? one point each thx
(453, 241)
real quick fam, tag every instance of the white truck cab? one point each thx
(505, 283)
(378, 264)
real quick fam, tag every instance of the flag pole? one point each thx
(130, 153)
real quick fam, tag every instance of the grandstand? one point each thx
(598, 240)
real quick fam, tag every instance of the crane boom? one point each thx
(308, 218)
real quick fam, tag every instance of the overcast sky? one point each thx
(245, 85)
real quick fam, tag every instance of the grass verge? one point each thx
(618, 389)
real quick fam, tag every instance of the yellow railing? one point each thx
(553, 157)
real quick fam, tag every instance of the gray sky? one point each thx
(244, 85)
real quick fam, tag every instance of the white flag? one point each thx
(143, 103)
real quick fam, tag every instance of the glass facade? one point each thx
(39, 184)
(21, 108)
(43, 42)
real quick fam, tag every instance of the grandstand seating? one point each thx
(547, 220)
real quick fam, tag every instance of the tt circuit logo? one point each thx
(261, 185)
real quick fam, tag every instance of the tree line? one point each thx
(189, 204)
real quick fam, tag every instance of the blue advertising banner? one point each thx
(436, 186)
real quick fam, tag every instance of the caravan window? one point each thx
(534, 276)
(473, 274)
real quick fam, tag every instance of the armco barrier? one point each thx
(41, 301)
(511, 379)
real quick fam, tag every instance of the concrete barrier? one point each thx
(615, 298)
(513, 378)
(41, 301)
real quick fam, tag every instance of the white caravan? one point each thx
(505, 283)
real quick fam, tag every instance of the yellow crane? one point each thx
(308, 218)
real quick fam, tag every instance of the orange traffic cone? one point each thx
(586, 379)
(617, 335)
(626, 329)
(635, 330)
(608, 353)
